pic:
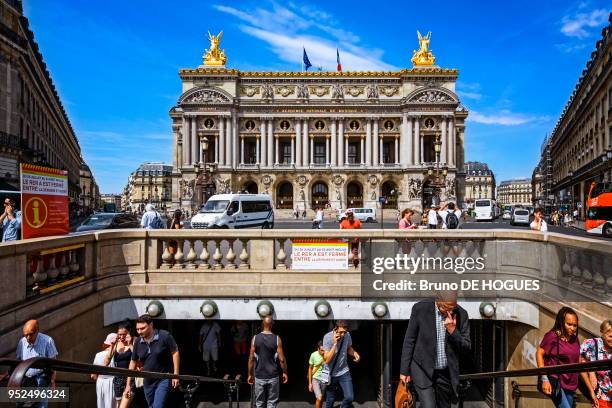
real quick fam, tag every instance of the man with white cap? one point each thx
(104, 383)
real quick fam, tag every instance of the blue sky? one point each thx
(115, 63)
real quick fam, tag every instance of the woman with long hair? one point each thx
(175, 223)
(597, 349)
(120, 353)
(560, 346)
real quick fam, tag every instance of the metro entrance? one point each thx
(378, 342)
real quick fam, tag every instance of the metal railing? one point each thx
(466, 379)
(189, 384)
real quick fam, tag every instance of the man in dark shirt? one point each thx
(157, 351)
(265, 356)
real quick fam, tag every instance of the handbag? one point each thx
(403, 396)
(555, 383)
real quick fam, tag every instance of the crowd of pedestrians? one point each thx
(437, 337)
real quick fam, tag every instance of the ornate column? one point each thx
(362, 152)
(408, 152)
(270, 141)
(444, 141)
(228, 144)
(396, 146)
(417, 141)
(422, 149)
(241, 150)
(262, 148)
(368, 143)
(298, 142)
(221, 141)
(235, 145)
(293, 150)
(195, 143)
(375, 153)
(327, 150)
(217, 148)
(341, 161)
(257, 149)
(305, 141)
(346, 150)
(453, 143)
(381, 151)
(185, 147)
(311, 161)
(276, 150)
(334, 142)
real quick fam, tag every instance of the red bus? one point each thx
(599, 210)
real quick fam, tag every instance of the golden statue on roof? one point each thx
(423, 57)
(214, 56)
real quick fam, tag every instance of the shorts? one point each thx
(318, 388)
(207, 353)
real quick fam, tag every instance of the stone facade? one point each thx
(581, 142)
(515, 192)
(479, 182)
(34, 127)
(341, 139)
(150, 183)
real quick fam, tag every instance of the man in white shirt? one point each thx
(538, 224)
(432, 217)
(447, 223)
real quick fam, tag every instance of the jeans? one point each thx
(156, 393)
(40, 380)
(266, 392)
(566, 400)
(346, 384)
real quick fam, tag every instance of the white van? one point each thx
(486, 209)
(235, 211)
(362, 214)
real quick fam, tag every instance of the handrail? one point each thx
(193, 381)
(556, 369)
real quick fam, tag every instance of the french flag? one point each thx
(338, 60)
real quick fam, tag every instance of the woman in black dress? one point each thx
(121, 354)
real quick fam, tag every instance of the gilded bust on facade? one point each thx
(422, 56)
(215, 57)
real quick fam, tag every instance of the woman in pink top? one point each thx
(405, 221)
(561, 346)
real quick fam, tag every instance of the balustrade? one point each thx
(582, 265)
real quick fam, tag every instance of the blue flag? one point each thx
(307, 63)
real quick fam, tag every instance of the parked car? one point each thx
(507, 215)
(520, 216)
(102, 221)
(362, 214)
(235, 211)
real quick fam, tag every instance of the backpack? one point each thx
(452, 222)
(157, 222)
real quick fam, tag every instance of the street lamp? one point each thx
(438, 180)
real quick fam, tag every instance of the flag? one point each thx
(338, 60)
(307, 63)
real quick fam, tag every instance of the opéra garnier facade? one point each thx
(338, 139)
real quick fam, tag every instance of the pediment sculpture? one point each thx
(206, 96)
(431, 96)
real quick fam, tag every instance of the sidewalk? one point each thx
(578, 224)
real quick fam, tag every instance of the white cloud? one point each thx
(577, 25)
(504, 118)
(288, 29)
